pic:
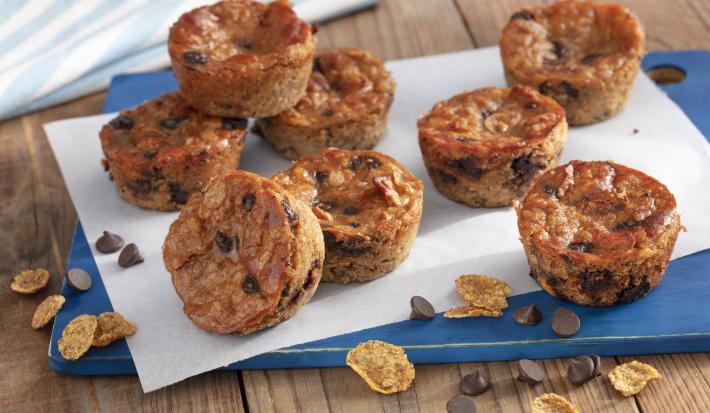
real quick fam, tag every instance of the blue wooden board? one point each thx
(675, 317)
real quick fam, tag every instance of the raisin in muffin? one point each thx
(483, 148)
(584, 55)
(598, 233)
(242, 58)
(244, 254)
(160, 152)
(346, 106)
(369, 207)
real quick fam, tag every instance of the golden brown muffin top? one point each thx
(230, 252)
(166, 131)
(584, 209)
(237, 33)
(346, 84)
(571, 40)
(353, 192)
(491, 120)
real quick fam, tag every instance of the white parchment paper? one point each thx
(453, 239)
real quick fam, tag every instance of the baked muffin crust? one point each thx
(368, 205)
(598, 233)
(160, 152)
(484, 147)
(244, 254)
(584, 55)
(346, 105)
(242, 58)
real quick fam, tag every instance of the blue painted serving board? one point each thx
(675, 317)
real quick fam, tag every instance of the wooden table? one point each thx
(37, 220)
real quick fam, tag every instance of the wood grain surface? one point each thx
(37, 219)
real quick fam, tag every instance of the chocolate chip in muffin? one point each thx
(248, 201)
(177, 194)
(355, 163)
(121, 122)
(141, 186)
(243, 43)
(351, 210)
(569, 89)
(549, 189)
(332, 243)
(563, 88)
(250, 285)
(468, 166)
(316, 66)
(445, 176)
(355, 224)
(633, 292)
(372, 163)
(224, 243)
(325, 205)
(524, 169)
(171, 123)
(588, 59)
(523, 14)
(626, 225)
(580, 246)
(234, 123)
(558, 49)
(531, 105)
(149, 154)
(195, 58)
(320, 176)
(326, 112)
(485, 113)
(291, 215)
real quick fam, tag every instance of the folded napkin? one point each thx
(58, 50)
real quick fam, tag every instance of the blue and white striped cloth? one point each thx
(56, 50)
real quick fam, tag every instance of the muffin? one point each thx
(598, 233)
(244, 254)
(160, 152)
(584, 55)
(368, 205)
(346, 106)
(242, 58)
(483, 148)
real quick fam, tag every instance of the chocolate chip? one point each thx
(565, 323)
(580, 246)
(461, 404)
(558, 49)
(588, 59)
(234, 123)
(351, 210)
(291, 215)
(316, 66)
(474, 384)
(372, 163)
(109, 243)
(635, 131)
(531, 105)
(485, 113)
(355, 224)
(569, 89)
(243, 43)
(523, 14)
(549, 189)
(121, 122)
(141, 186)
(421, 309)
(626, 225)
(224, 243)
(524, 169)
(130, 256)
(633, 292)
(445, 177)
(326, 205)
(320, 176)
(326, 112)
(580, 370)
(177, 194)
(250, 285)
(332, 243)
(355, 163)
(546, 88)
(550, 63)
(530, 372)
(248, 201)
(150, 154)
(468, 166)
(597, 365)
(78, 279)
(195, 58)
(527, 315)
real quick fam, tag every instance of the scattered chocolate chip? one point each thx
(580, 370)
(564, 87)
(177, 194)
(523, 14)
(320, 176)
(234, 123)
(580, 246)
(351, 210)
(445, 177)
(474, 384)
(150, 154)
(565, 323)
(421, 309)
(243, 43)
(291, 215)
(248, 201)
(195, 58)
(569, 89)
(355, 163)
(588, 59)
(531, 105)
(316, 66)
(171, 123)
(347, 249)
(250, 285)
(633, 292)
(549, 189)
(371, 163)
(224, 243)
(326, 112)
(109, 243)
(485, 113)
(530, 372)
(141, 186)
(461, 404)
(468, 166)
(558, 49)
(524, 169)
(121, 122)
(78, 279)
(130, 256)
(355, 224)
(597, 365)
(528, 315)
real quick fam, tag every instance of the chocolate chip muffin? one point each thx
(598, 233)
(160, 152)
(346, 106)
(484, 148)
(584, 55)
(242, 58)
(244, 254)
(368, 205)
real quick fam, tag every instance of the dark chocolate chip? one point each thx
(234, 123)
(546, 88)
(250, 285)
(195, 58)
(635, 131)
(224, 243)
(130, 256)
(580, 246)
(351, 210)
(291, 215)
(109, 243)
(588, 59)
(445, 177)
(550, 63)
(565, 323)
(468, 166)
(320, 176)
(421, 309)
(569, 89)
(626, 225)
(355, 163)
(332, 243)
(524, 169)
(528, 315)
(549, 189)
(531, 105)
(523, 14)
(141, 186)
(171, 123)
(326, 112)
(597, 365)
(461, 404)
(355, 224)
(530, 372)
(633, 292)
(474, 384)
(177, 194)
(485, 113)
(558, 49)
(150, 154)
(243, 43)
(248, 201)
(316, 66)
(580, 370)
(78, 279)
(372, 163)
(121, 122)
